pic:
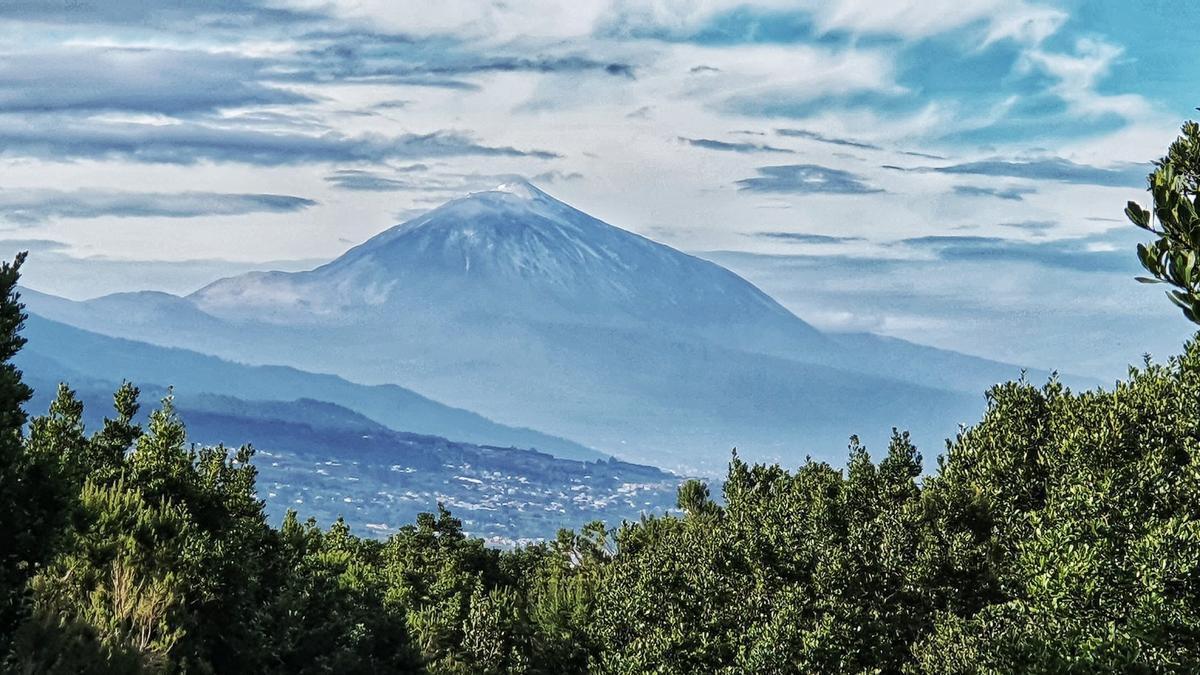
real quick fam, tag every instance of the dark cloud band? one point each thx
(822, 138)
(709, 144)
(806, 179)
(805, 237)
(168, 82)
(1054, 169)
(190, 143)
(1009, 193)
(31, 206)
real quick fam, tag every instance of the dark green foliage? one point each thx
(1098, 559)
(25, 519)
(1174, 257)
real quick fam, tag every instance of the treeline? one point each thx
(1061, 533)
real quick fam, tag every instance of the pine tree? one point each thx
(23, 517)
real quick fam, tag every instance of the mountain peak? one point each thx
(519, 187)
(512, 251)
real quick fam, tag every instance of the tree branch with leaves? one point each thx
(1174, 257)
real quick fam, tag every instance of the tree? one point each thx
(1094, 539)
(1174, 257)
(24, 517)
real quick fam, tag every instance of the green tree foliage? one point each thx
(1174, 257)
(27, 521)
(1095, 529)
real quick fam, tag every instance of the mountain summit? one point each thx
(513, 251)
(512, 304)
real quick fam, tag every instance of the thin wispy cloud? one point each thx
(382, 58)
(805, 237)
(1010, 193)
(806, 179)
(395, 104)
(366, 181)
(33, 206)
(11, 246)
(179, 14)
(710, 144)
(1037, 227)
(189, 143)
(1049, 169)
(822, 138)
(1073, 254)
(135, 80)
(556, 176)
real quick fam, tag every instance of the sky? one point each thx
(951, 172)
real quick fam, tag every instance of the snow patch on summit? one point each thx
(519, 188)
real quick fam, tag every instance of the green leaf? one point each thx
(1180, 299)
(1138, 215)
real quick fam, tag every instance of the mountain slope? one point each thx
(535, 314)
(57, 352)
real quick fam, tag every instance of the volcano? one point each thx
(517, 306)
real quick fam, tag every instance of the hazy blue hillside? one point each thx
(57, 351)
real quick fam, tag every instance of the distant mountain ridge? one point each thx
(330, 462)
(58, 352)
(515, 305)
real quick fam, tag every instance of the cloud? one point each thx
(1009, 193)
(10, 246)
(181, 14)
(66, 275)
(189, 143)
(1038, 227)
(710, 144)
(805, 238)
(735, 22)
(31, 206)
(924, 155)
(1048, 169)
(1025, 313)
(393, 104)
(556, 176)
(169, 82)
(1075, 254)
(435, 187)
(805, 179)
(814, 136)
(847, 142)
(355, 56)
(996, 19)
(365, 181)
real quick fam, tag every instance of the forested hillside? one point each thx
(330, 462)
(1061, 533)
